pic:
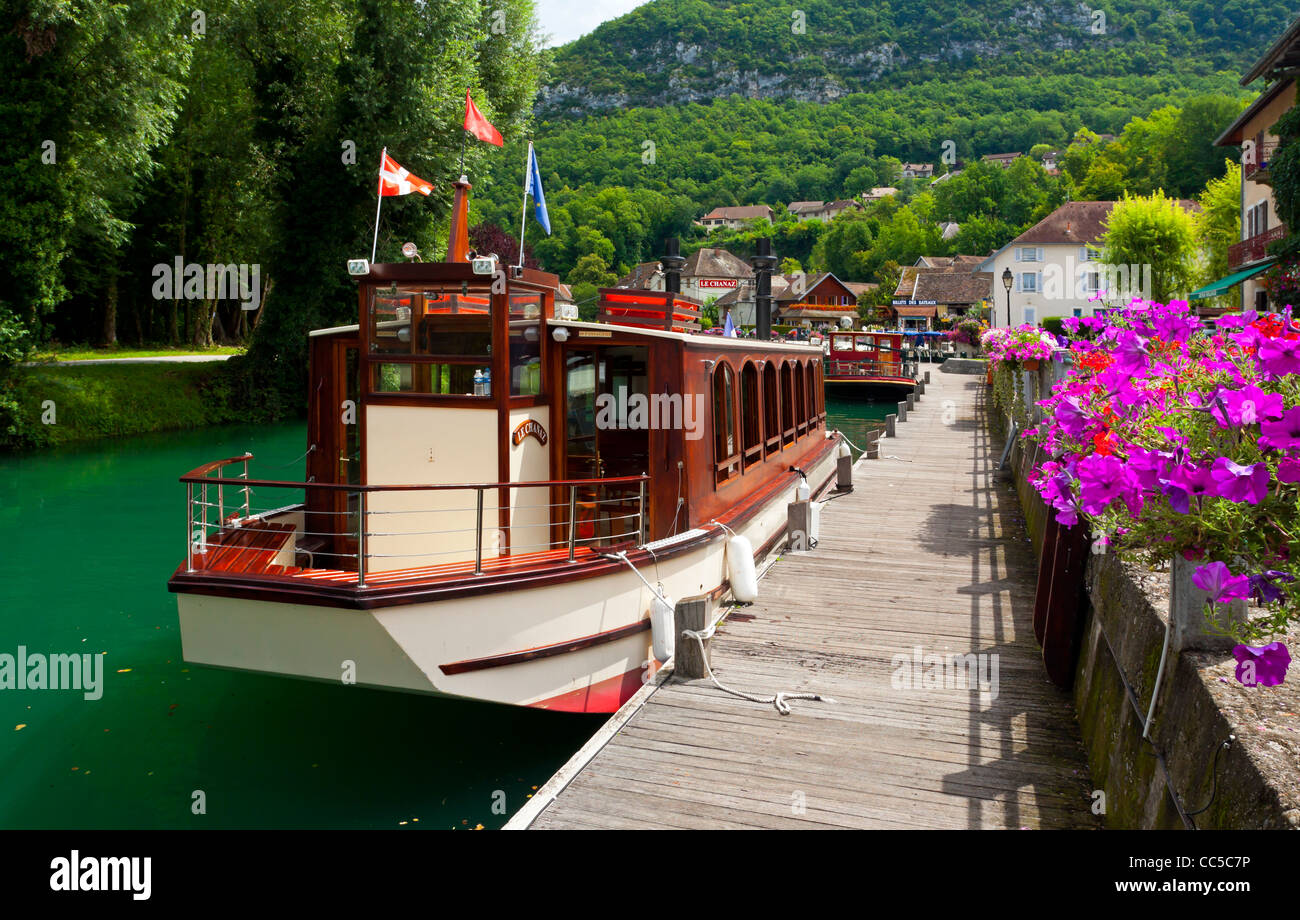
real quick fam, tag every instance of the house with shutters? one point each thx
(1055, 267)
(819, 210)
(735, 218)
(1252, 131)
(918, 170)
(939, 289)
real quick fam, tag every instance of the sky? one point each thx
(565, 20)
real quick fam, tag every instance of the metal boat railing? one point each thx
(411, 529)
(843, 368)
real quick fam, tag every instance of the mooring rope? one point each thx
(778, 700)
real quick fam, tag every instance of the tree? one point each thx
(1218, 223)
(1152, 234)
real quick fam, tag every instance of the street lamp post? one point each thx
(1006, 283)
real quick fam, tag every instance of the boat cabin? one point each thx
(866, 359)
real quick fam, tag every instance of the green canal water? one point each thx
(90, 536)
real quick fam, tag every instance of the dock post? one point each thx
(873, 445)
(891, 422)
(844, 473)
(927, 376)
(902, 411)
(1190, 631)
(688, 660)
(920, 388)
(799, 526)
(911, 401)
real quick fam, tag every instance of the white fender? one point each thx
(662, 629)
(843, 450)
(741, 571)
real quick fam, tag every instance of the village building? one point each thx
(707, 273)
(918, 170)
(938, 290)
(1001, 159)
(735, 218)
(880, 193)
(1055, 268)
(1252, 131)
(819, 210)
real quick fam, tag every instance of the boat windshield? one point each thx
(410, 325)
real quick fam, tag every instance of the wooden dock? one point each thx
(927, 556)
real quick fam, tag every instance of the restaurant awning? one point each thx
(1223, 285)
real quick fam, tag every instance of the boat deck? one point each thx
(928, 552)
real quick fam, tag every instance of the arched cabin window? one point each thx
(814, 391)
(771, 408)
(750, 419)
(726, 444)
(790, 426)
(800, 400)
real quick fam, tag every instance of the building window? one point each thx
(1029, 314)
(1028, 282)
(726, 451)
(1257, 219)
(1029, 254)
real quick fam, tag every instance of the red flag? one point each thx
(479, 126)
(395, 179)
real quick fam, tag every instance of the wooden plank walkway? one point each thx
(927, 553)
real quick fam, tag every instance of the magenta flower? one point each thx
(1246, 406)
(1288, 470)
(1217, 580)
(1262, 667)
(1187, 482)
(1280, 356)
(1263, 589)
(1103, 479)
(1070, 417)
(1239, 483)
(1283, 433)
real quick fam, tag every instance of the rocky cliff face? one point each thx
(648, 58)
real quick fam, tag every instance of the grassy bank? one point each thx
(100, 353)
(54, 405)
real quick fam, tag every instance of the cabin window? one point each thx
(725, 446)
(884, 344)
(525, 344)
(800, 400)
(787, 404)
(431, 379)
(810, 376)
(749, 414)
(864, 343)
(842, 343)
(771, 408)
(446, 321)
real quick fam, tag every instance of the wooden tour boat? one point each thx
(867, 363)
(495, 494)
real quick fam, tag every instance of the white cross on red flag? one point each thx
(395, 179)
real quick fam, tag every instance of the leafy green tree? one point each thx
(1153, 231)
(1218, 224)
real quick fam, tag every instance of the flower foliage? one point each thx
(968, 331)
(1023, 343)
(1171, 437)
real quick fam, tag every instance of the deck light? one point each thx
(411, 252)
(358, 267)
(560, 334)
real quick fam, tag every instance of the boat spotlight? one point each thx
(358, 267)
(411, 252)
(483, 265)
(560, 334)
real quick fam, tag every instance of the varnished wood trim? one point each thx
(545, 651)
